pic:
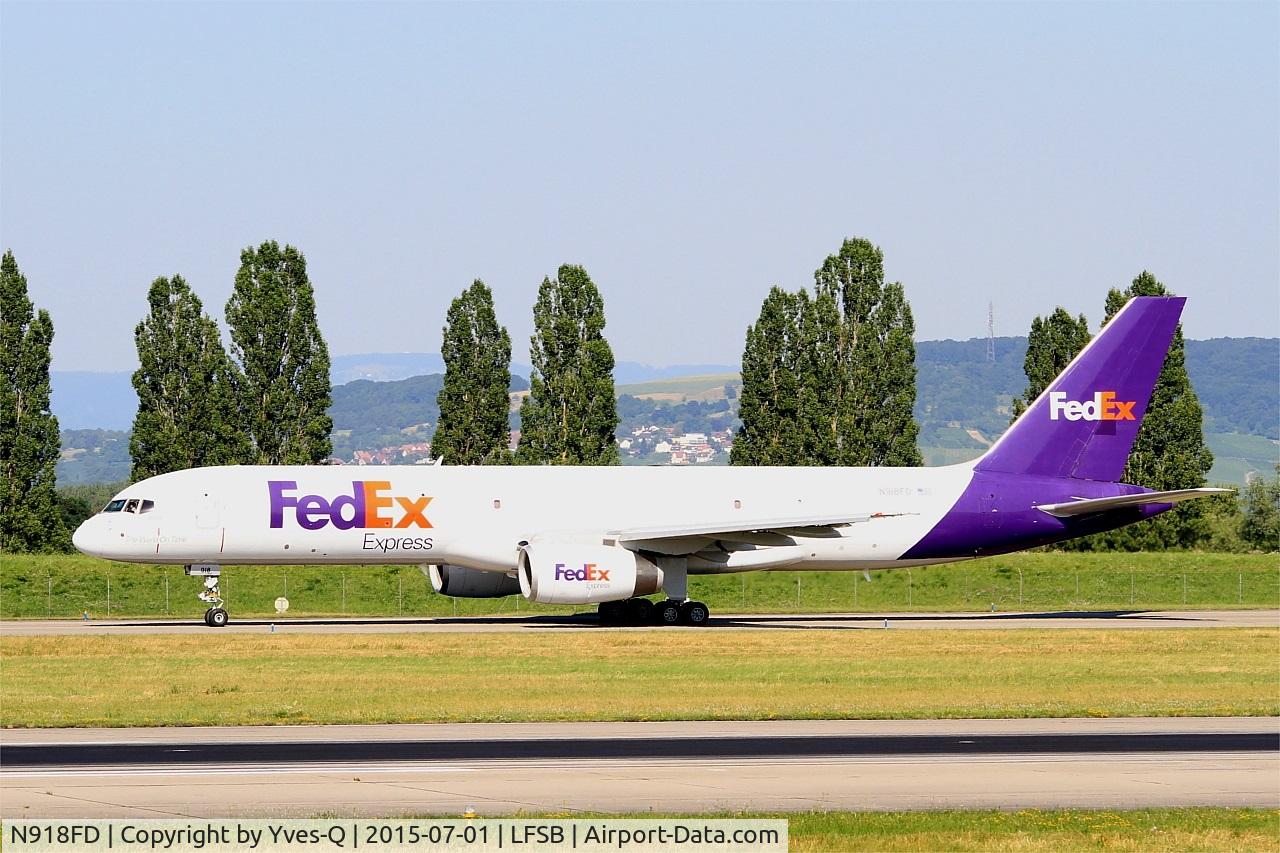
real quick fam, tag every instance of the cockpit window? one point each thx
(137, 506)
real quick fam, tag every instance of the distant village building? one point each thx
(419, 453)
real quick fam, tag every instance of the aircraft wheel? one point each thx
(694, 613)
(206, 617)
(668, 612)
(610, 612)
(217, 618)
(639, 611)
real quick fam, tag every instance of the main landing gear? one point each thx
(642, 611)
(215, 616)
(676, 610)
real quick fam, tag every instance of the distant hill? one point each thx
(957, 388)
(962, 403)
(93, 456)
(388, 367)
(369, 415)
(1236, 379)
(1238, 383)
(89, 400)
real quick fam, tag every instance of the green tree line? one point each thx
(828, 379)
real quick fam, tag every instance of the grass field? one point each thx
(228, 679)
(1153, 830)
(41, 586)
(1168, 830)
(1236, 455)
(709, 387)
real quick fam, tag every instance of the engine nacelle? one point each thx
(567, 573)
(460, 582)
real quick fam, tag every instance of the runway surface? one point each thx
(680, 767)
(1132, 619)
(199, 751)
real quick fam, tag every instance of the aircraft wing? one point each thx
(677, 538)
(1085, 506)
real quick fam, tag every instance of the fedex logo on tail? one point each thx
(588, 572)
(1103, 407)
(368, 505)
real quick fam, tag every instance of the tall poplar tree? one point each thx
(186, 401)
(1170, 451)
(29, 442)
(1052, 343)
(818, 362)
(281, 363)
(871, 403)
(894, 432)
(774, 404)
(570, 415)
(474, 400)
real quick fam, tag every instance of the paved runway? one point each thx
(1135, 619)
(681, 767)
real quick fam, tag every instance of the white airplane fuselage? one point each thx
(478, 517)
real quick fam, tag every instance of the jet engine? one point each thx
(567, 573)
(461, 582)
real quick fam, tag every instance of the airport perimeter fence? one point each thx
(38, 587)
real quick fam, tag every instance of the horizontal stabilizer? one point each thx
(1091, 505)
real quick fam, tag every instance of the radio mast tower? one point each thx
(991, 333)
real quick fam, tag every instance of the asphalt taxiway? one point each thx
(1094, 619)
(622, 767)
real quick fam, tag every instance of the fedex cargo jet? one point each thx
(611, 535)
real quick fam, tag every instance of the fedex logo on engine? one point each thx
(1103, 407)
(368, 505)
(588, 572)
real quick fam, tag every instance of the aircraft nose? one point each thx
(88, 537)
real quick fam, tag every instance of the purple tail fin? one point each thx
(1084, 424)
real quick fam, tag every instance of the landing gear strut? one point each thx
(676, 610)
(215, 616)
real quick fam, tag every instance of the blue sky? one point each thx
(689, 156)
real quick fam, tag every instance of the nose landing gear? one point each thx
(216, 616)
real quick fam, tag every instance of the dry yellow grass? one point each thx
(213, 679)
(1034, 831)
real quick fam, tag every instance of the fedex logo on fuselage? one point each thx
(1103, 407)
(588, 572)
(368, 505)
